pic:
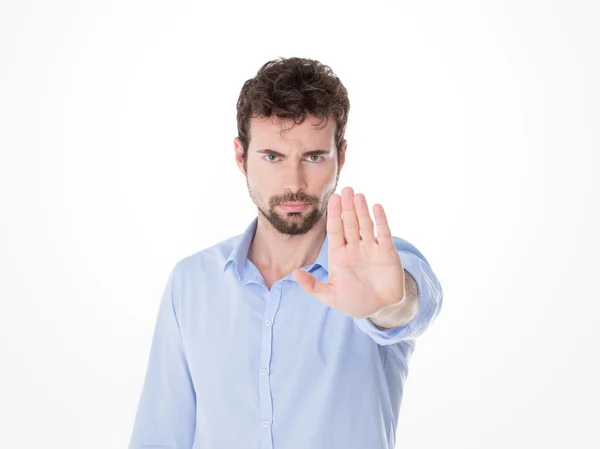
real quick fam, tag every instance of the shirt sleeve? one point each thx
(166, 413)
(430, 296)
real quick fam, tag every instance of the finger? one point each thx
(312, 285)
(350, 221)
(365, 223)
(335, 229)
(384, 235)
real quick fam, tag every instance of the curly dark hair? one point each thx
(291, 88)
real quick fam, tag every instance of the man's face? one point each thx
(291, 177)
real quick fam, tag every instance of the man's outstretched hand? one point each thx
(365, 272)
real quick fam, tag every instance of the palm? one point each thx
(365, 273)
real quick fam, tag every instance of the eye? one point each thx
(275, 156)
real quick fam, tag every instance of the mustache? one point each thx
(294, 200)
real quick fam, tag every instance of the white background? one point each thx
(475, 124)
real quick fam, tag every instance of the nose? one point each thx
(294, 178)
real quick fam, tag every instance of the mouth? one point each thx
(293, 207)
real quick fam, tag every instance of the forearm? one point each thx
(402, 312)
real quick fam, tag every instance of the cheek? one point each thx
(258, 172)
(259, 189)
(328, 180)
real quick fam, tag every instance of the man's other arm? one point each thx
(166, 414)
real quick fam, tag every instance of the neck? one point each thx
(281, 253)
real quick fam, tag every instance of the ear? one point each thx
(239, 153)
(343, 154)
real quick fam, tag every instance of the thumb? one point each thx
(312, 285)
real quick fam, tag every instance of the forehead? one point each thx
(273, 130)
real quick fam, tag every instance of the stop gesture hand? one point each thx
(365, 271)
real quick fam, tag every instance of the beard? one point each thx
(292, 223)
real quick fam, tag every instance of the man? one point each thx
(295, 334)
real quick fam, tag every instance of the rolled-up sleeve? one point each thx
(430, 296)
(166, 413)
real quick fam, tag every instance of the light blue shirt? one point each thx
(234, 365)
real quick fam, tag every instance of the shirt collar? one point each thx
(239, 253)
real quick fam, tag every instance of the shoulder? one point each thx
(195, 277)
(210, 261)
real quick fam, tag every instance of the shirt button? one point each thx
(266, 424)
(268, 323)
(264, 371)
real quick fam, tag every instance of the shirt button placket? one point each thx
(272, 301)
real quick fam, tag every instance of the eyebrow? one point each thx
(318, 152)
